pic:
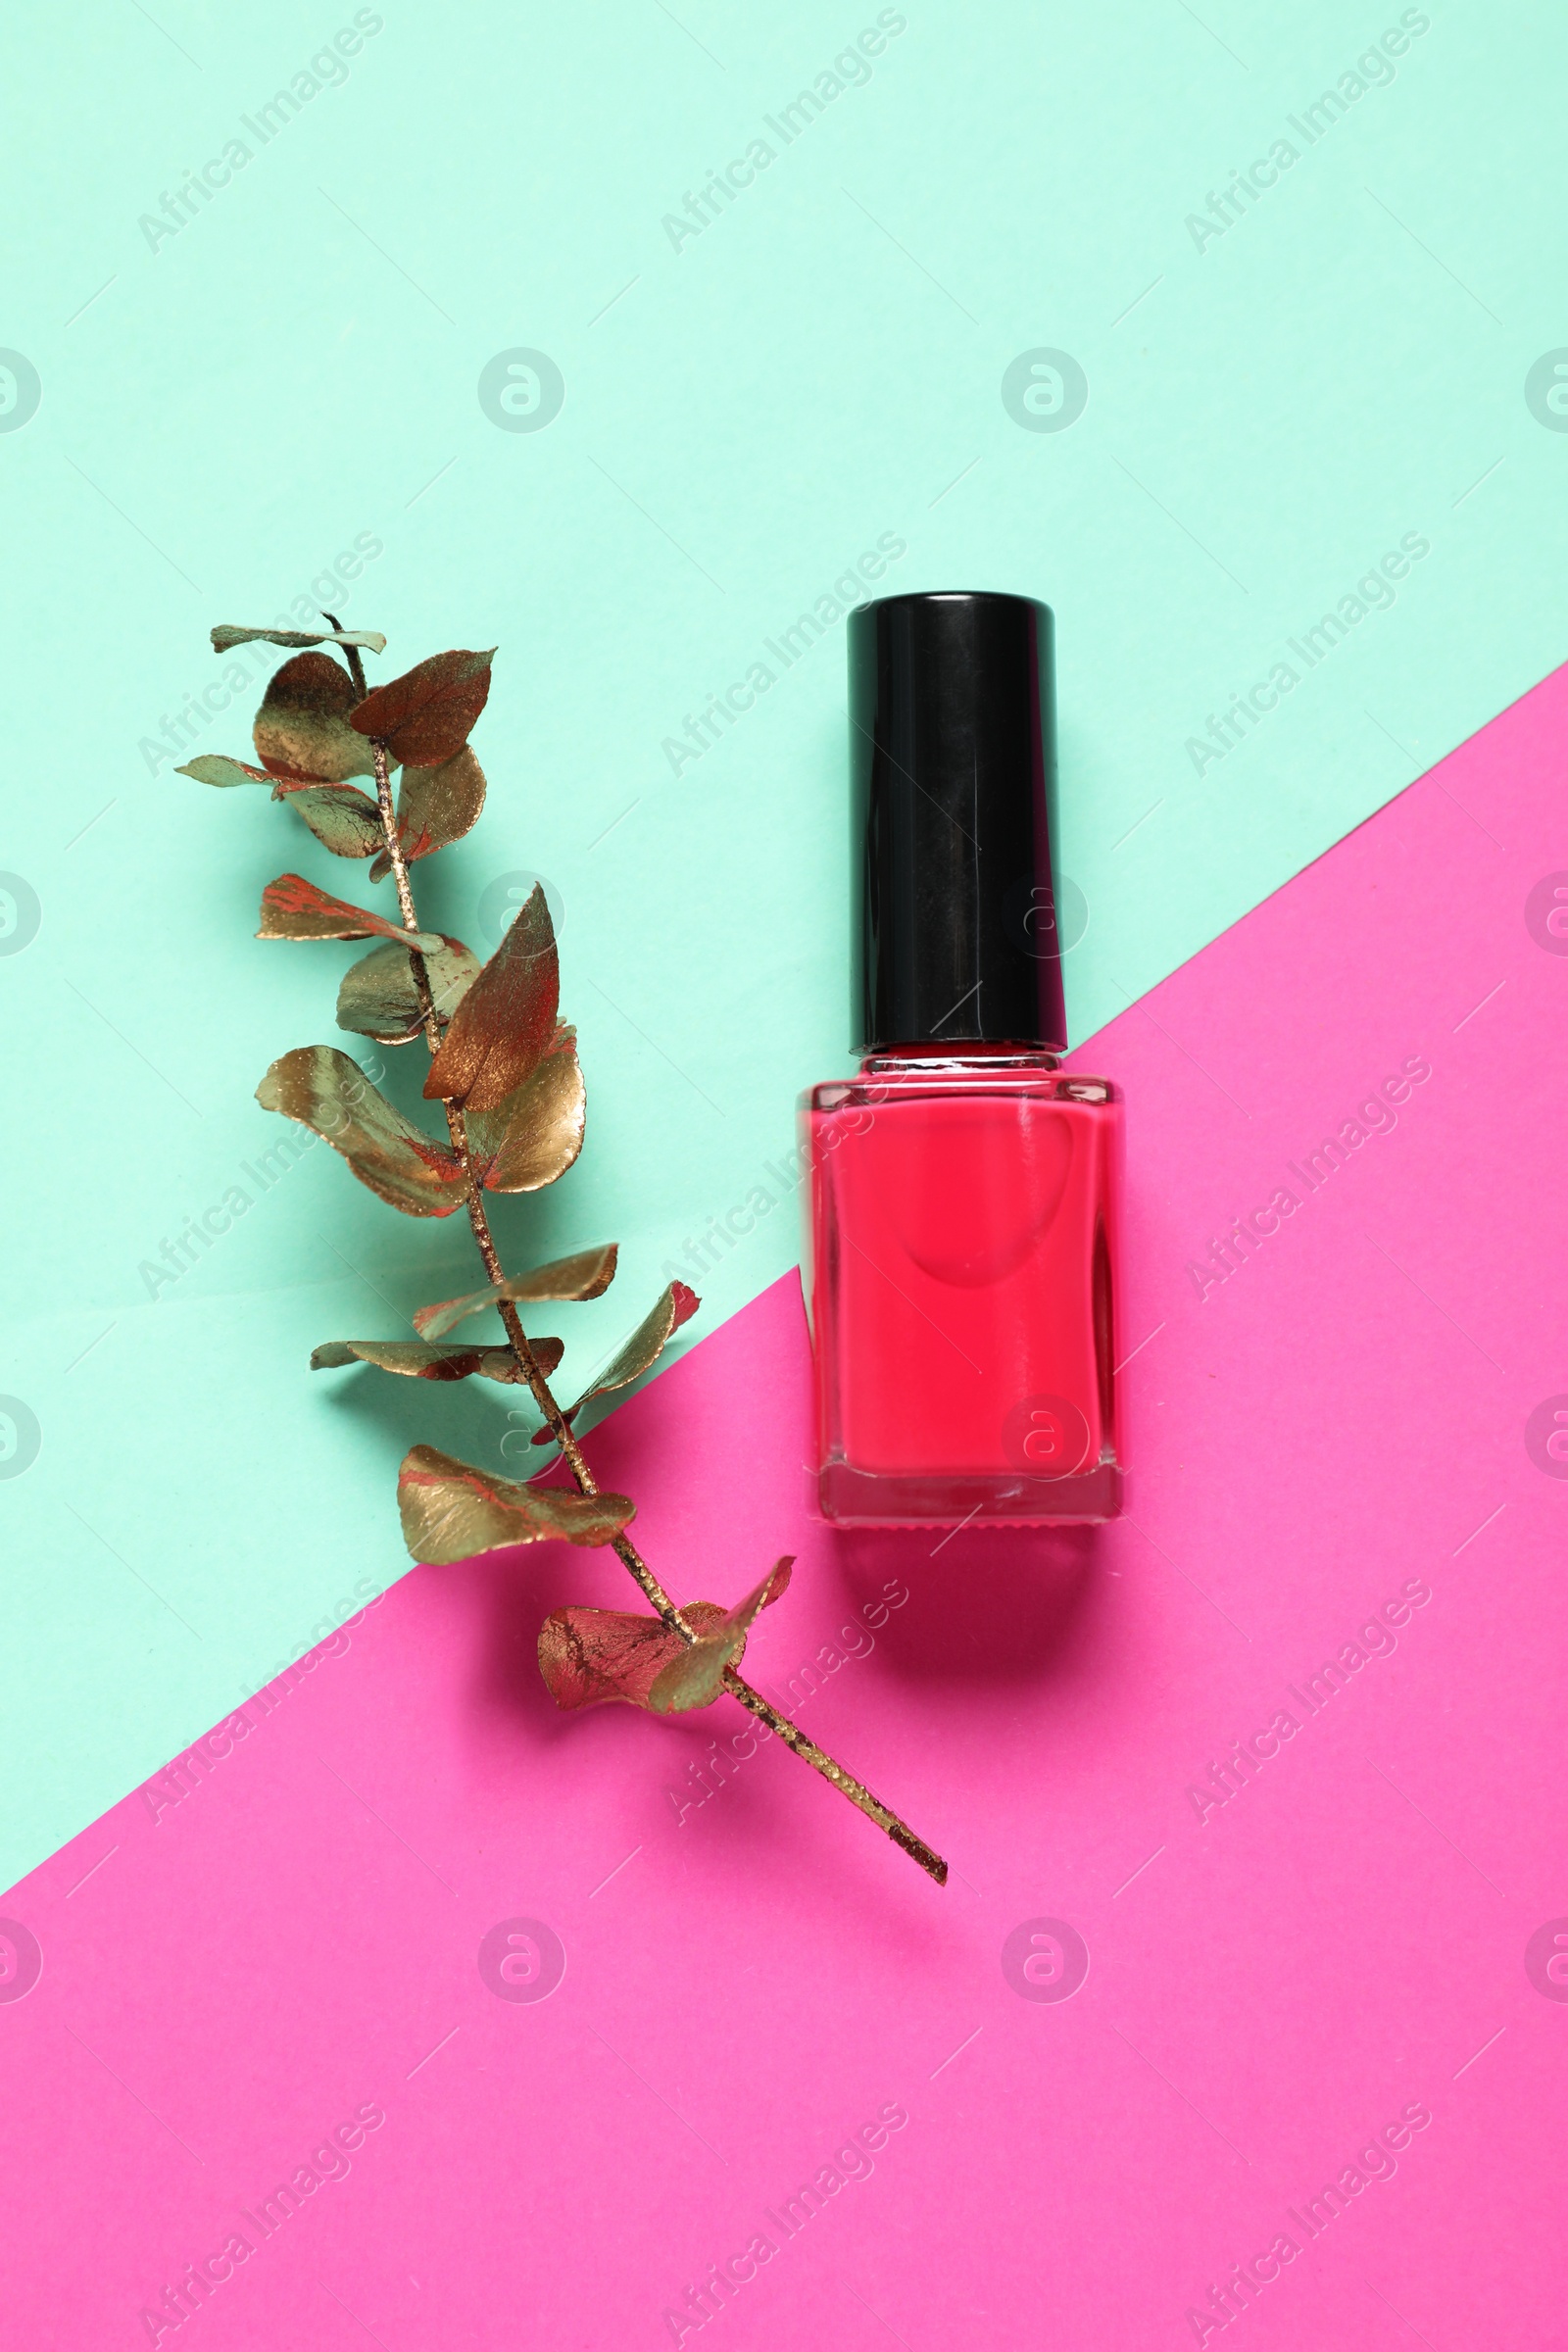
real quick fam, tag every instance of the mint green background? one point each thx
(813, 370)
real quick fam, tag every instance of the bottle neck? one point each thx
(963, 1053)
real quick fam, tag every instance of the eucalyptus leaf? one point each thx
(586, 1274)
(294, 908)
(323, 1090)
(536, 1133)
(425, 717)
(674, 1306)
(214, 767)
(420, 1362)
(693, 1678)
(225, 637)
(377, 996)
(302, 729)
(589, 1657)
(435, 806)
(452, 1510)
(343, 818)
(506, 1024)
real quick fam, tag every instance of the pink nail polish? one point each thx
(962, 1188)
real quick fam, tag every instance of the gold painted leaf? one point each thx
(420, 1362)
(435, 806)
(586, 1274)
(302, 729)
(214, 767)
(339, 814)
(536, 1133)
(343, 818)
(589, 1657)
(452, 1510)
(425, 717)
(506, 1024)
(693, 1678)
(294, 908)
(326, 1092)
(377, 996)
(225, 637)
(674, 1306)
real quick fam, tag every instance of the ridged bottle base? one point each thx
(851, 1497)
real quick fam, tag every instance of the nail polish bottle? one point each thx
(962, 1193)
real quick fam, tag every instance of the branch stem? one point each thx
(560, 1428)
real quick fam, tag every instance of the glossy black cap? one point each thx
(953, 752)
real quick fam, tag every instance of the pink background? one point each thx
(749, 1983)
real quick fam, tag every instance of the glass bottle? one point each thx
(962, 1188)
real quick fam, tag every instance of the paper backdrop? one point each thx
(403, 2007)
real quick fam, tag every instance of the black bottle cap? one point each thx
(953, 749)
